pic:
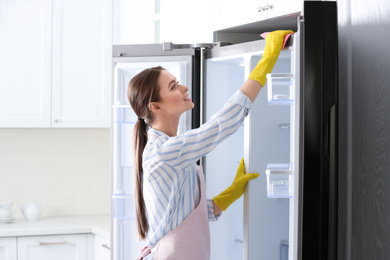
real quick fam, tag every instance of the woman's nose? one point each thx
(184, 88)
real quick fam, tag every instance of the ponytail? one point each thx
(143, 89)
(140, 139)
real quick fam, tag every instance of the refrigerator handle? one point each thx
(332, 222)
(202, 95)
(202, 58)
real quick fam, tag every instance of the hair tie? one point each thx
(141, 119)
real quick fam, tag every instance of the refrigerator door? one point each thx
(272, 129)
(129, 60)
(253, 228)
(270, 144)
(289, 137)
(317, 233)
(307, 175)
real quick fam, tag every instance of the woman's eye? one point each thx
(174, 86)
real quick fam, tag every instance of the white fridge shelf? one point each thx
(280, 90)
(279, 180)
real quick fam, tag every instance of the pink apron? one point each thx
(190, 240)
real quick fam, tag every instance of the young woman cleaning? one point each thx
(171, 207)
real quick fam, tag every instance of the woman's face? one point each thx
(174, 98)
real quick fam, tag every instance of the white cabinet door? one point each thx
(62, 247)
(102, 248)
(180, 21)
(233, 13)
(283, 7)
(8, 248)
(25, 63)
(82, 41)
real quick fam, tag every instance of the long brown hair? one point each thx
(143, 89)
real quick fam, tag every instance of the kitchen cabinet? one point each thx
(57, 247)
(102, 248)
(25, 63)
(180, 23)
(79, 246)
(58, 236)
(8, 248)
(231, 13)
(81, 80)
(55, 63)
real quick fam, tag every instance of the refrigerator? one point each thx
(289, 137)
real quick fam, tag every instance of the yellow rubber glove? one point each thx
(234, 191)
(273, 45)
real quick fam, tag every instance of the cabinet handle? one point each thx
(267, 7)
(57, 121)
(264, 8)
(106, 246)
(260, 8)
(53, 243)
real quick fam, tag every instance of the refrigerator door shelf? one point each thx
(123, 207)
(280, 89)
(279, 180)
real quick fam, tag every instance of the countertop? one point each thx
(96, 224)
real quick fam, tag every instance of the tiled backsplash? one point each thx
(66, 170)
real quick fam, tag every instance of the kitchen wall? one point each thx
(67, 170)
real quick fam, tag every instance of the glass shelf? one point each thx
(279, 180)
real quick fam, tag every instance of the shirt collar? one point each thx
(156, 132)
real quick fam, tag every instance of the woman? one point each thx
(171, 206)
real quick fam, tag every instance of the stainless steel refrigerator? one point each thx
(289, 137)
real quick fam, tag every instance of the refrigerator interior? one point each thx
(269, 127)
(125, 235)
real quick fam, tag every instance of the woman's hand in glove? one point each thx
(273, 46)
(236, 189)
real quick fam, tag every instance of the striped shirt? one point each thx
(171, 188)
